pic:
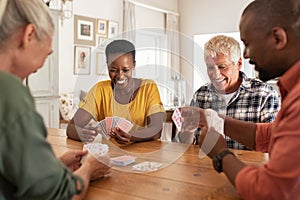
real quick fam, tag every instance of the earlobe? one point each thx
(240, 63)
(280, 37)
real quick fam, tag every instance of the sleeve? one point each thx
(90, 103)
(154, 102)
(270, 106)
(30, 163)
(262, 136)
(279, 178)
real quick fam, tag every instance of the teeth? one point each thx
(121, 81)
(219, 80)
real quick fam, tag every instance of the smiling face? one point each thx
(120, 68)
(223, 73)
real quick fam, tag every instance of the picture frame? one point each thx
(113, 29)
(102, 27)
(101, 67)
(101, 42)
(84, 30)
(82, 60)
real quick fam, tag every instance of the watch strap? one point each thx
(219, 158)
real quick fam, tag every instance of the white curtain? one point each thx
(172, 31)
(129, 21)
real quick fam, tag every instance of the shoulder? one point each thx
(15, 97)
(257, 85)
(102, 85)
(148, 83)
(12, 88)
(204, 89)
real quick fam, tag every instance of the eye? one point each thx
(222, 67)
(126, 70)
(112, 70)
(210, 67)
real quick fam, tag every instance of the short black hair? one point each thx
(120, 46)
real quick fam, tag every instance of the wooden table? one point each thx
(188, 177)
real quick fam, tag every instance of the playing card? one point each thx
(115, 121)
(177, 118)
(103, 130)
(108, 124)
(147, 166)
(95, 149)
(124, 124)
(123, 160)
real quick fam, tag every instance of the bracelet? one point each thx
(81, 183)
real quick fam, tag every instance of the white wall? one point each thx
(110, 10)
(204, 16)
(68, 82)
(196, 17)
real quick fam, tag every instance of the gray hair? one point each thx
(15, 14)
(224, 45)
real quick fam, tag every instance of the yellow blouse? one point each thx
(100, 103)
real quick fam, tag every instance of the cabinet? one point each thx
(44, 83)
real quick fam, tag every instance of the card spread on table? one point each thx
(147, 166)
(123, 160)
(109, 123)
(177, 119)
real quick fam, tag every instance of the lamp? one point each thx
(65, 7)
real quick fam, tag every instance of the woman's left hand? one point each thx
(72, 158)
(120, 136)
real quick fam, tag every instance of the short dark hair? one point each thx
(120, 46)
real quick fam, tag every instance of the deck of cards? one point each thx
(109, 123)
(123, 160)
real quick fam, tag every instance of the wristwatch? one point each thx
(217, 160)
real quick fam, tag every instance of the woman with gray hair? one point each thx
(28, 166)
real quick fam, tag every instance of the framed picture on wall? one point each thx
(84, 30)
(113, 29)
(102, 27)
(101, 42)
(82, 60)
(101, 67)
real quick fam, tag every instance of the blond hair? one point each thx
(15, 14)
(225, 45)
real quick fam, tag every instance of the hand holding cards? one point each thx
(95, 149)
(186, 119)
(109, 123)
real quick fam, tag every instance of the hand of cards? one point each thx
(109, 123)
(95, 149)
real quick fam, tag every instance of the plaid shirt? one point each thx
(254, 101)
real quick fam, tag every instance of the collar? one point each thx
(289, 79)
